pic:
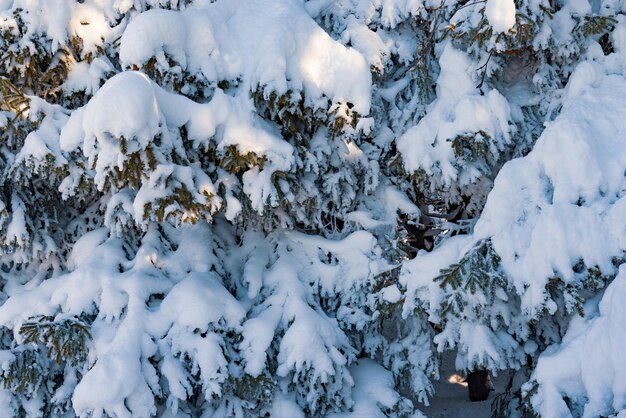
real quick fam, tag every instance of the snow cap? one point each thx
(501, 14)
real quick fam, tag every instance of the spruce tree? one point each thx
(290, 208)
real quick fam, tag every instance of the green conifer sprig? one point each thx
(67, 340)
(25, 373)
(478, 271)
(12, 98)
(257, 390)
(234, 161)
(592, 25)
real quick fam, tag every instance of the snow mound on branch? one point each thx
(588, 366)
(130, 111)
(269, 43)
(501, 14)
(91, 21)
(459, 109)
(132, 106)
(134, 114)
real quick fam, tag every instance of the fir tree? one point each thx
(256, 208)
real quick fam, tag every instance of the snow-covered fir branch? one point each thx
(295, 208)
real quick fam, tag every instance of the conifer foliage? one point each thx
(290, 208)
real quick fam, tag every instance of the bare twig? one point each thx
(484, 68)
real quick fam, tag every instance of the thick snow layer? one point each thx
(417, 274)
(501, 14)
(125, 106)
(86, 77)
(565, 201)
(289, 52)
(51, 19)
(588, 366)
(43, 142)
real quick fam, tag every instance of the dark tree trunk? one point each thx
(478, 385)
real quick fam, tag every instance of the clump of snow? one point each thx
(44, 141)
(501, 14)
(84, 76)
(133, 114)
(382, 211)
(290, 51)
(49, 19)
(90, 24)
(16, 232)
